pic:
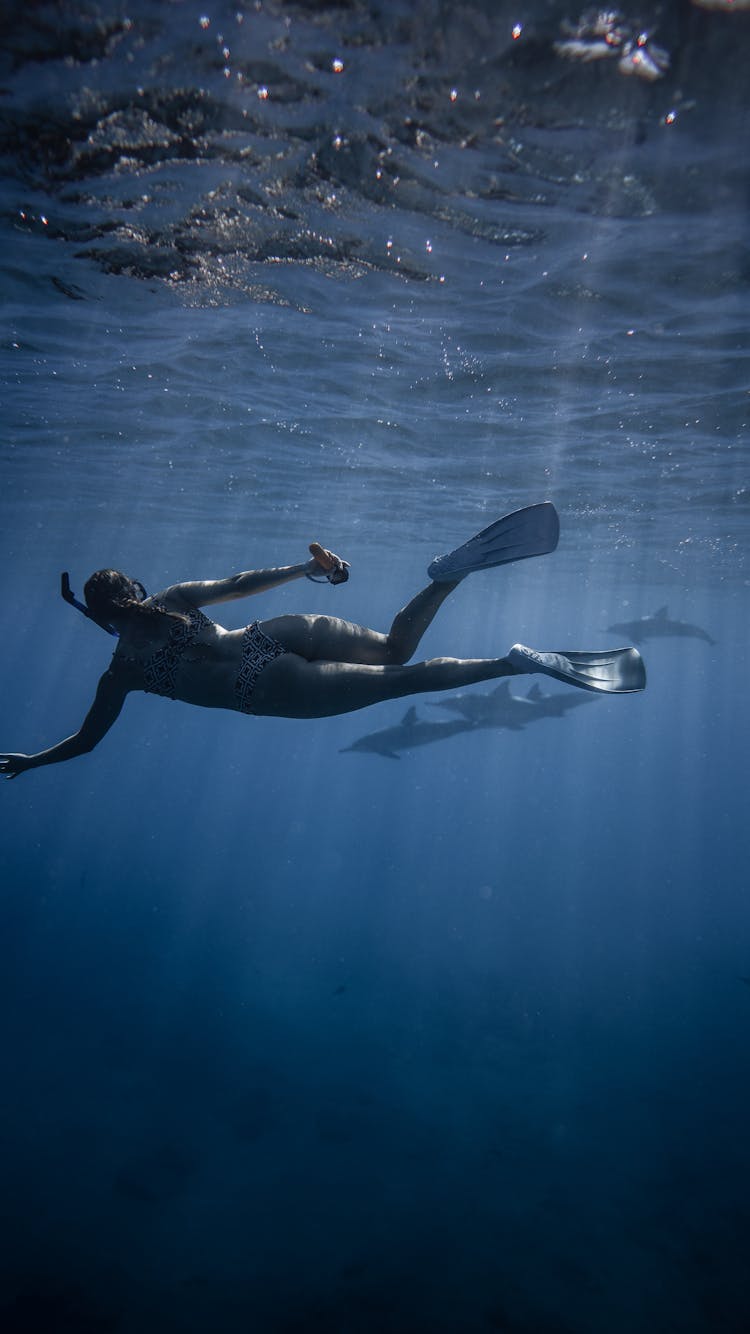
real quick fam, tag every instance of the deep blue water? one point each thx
(296, 1039)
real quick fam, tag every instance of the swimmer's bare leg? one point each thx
(414, 619)
(290, 687)
(328, 639)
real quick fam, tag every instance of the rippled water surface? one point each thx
(362, 249)
(303, 1040)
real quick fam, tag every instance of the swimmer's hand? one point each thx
(327, 564)
(13, 765)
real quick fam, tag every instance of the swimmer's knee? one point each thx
(394, 655)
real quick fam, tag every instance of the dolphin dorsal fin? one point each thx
(502, 689)
(409, 717)
(536, 692)
(661, 614)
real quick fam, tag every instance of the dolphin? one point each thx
(499, 708)
(659, 626)
(496, 709)
(554, 706)
(406, 735)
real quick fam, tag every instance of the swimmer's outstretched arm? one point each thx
(204, 592)
(110, 697)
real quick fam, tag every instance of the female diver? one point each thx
(307, 666)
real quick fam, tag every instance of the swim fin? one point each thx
(616, 671)
(532, 531)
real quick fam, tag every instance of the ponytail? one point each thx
(109, 592)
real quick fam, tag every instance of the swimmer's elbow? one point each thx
(104, 712)
(84, 742)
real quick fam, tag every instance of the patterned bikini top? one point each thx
(160, 671)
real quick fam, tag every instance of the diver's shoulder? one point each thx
(170, 599)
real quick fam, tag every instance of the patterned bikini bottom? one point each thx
(258, 649)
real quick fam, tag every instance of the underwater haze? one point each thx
(307, 1027)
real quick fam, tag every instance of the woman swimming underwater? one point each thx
(307, 666)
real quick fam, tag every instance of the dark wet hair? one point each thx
(111, 593)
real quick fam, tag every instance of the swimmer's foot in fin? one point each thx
(532, 531)
(617, 671)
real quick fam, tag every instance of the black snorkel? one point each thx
(69, 596)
